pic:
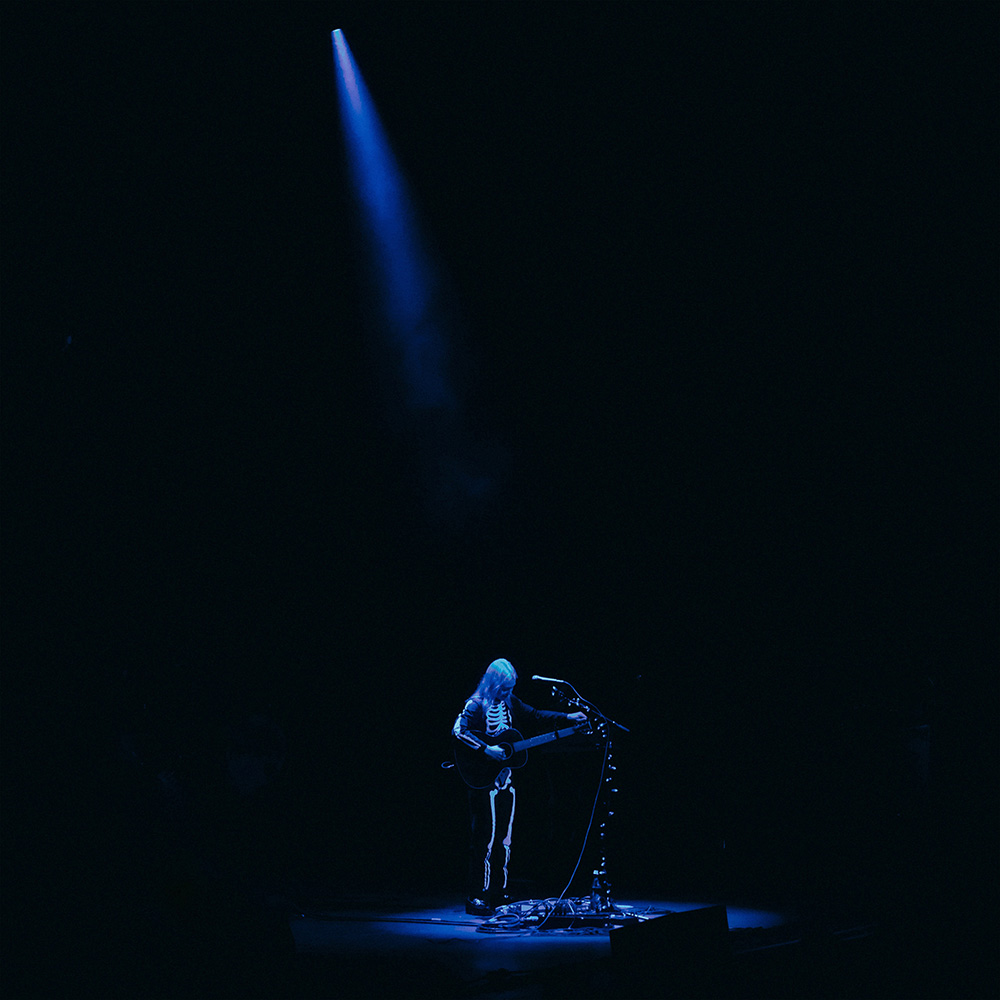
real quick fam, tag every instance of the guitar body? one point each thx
(478, 770)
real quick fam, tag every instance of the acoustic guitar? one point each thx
(480, 771)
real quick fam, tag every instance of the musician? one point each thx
(491, 709)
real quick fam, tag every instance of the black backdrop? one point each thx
(725, 277)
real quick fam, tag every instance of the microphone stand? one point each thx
(601, 909)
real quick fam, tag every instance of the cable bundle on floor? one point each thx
(574, 914)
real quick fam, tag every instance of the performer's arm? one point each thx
(542, 715)
(462, 729)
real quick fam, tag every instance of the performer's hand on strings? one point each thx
(496, 753)
(577, 717)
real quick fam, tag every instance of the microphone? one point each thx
(547, 680)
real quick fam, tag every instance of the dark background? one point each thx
(724, 277)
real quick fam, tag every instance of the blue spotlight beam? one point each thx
(403, 275)
(458, 476)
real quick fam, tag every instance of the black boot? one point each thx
(479, 907)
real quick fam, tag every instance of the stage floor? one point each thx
(380, 945)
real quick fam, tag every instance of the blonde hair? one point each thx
(498, 673)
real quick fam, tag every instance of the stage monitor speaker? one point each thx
(678, 951)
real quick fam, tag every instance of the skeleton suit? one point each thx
(491, 810)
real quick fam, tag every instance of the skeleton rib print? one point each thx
(497, 718)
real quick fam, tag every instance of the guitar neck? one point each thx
(535, 741)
